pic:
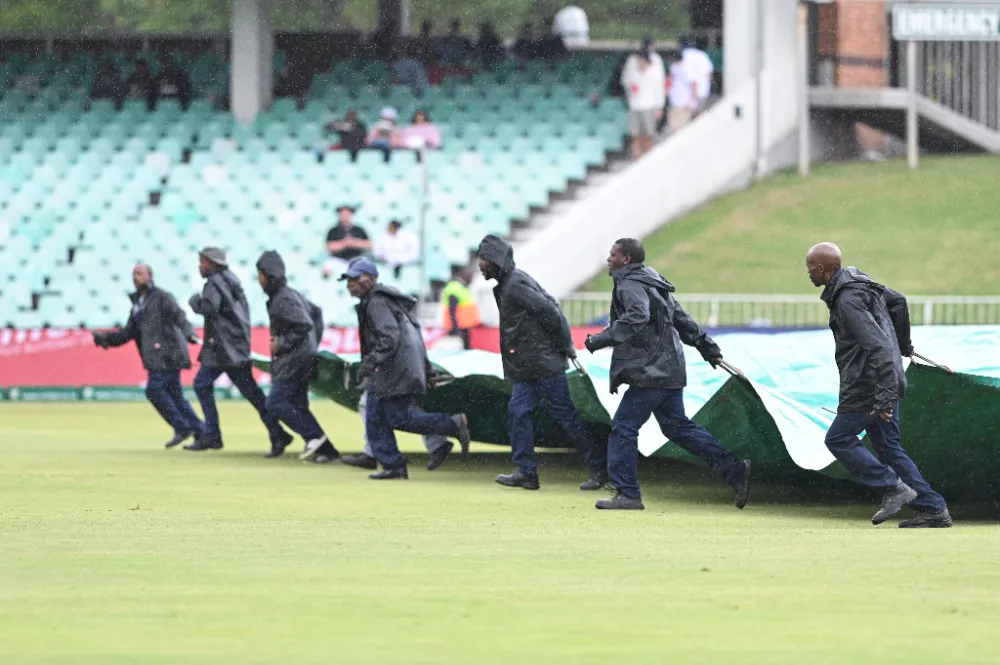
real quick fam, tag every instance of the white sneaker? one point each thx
(312, 447)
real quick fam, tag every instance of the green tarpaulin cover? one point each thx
(776, 417)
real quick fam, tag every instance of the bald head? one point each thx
(142, 276)
(822, 261)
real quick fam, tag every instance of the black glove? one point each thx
(907, 351)
(712, 356)
(589, 343)
(99, 340)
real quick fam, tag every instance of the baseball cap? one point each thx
(360, 266)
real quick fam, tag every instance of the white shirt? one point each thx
(400, 249)
(645, 89)
(680, 88)
(699, 68)
(571, 24)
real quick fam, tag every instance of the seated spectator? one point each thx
(524, 47)
(174, 82)
(490, 46)
(571, 24)
(550, 46)
(108, 83)
(344, 242)
(141, 84)
(408, 70)
(421, 134)
(397, 247)
(454, 48)
(352, 133)
(384, 134)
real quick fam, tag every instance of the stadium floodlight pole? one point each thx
(912, 151)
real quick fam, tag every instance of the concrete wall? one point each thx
(252, 49)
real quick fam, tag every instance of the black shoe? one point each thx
(926, 520)
(518, 479)
(390, 474)
(594, 483)
(464, 438)
(204, 444)
(742, 486)
(893, 501)
(179, 438)
(620, 502)
(440, 455)
(362, 461)
(278, 447)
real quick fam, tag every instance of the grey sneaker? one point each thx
(312, 448)
(927, 520)
(620, 502)
(893, 501)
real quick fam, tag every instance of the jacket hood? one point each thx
(273, 267)
(401, 299)
(849, 278)
(497, 250)
(229, 277)
(645, 276)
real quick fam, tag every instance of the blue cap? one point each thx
(360, 266)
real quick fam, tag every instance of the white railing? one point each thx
(734, 310)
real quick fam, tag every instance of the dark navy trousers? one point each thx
(164, 392)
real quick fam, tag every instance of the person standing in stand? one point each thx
(644, 81)
(226, 350)
(459, 311)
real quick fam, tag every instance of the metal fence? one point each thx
(963, 76)
(790, 311)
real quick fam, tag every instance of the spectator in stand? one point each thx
(683, 95)
(698, 68)
(174, 82)
(345, 242)
(109, 84)
(454, 48)
(550, 46)
(408, 70)
(426, 43)
(384, 134)
(384, 40)
(141, 84)
(525, 46)
(571, 24)
(352, 133)
(421, 134)
(644, 81)
(397, 247)
(490, 46)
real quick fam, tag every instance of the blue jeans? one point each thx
(554, 392)
(431, 441)
(667, 406)
(163, 390)
(242, 378)
(289, 402)
(385, 414)
(891, 465)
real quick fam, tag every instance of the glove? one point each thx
(99, 340)
(712, 356)
(907, 351)
(589, 343)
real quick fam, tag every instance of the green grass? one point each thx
(933, 231)
(113, 550)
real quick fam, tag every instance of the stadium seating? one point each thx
(87, 190)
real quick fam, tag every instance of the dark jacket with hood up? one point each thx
(160, 330)
(227, 321)
(870, 325)
(535, 339)
(296, 324)
(647, 327)
(393, 356)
